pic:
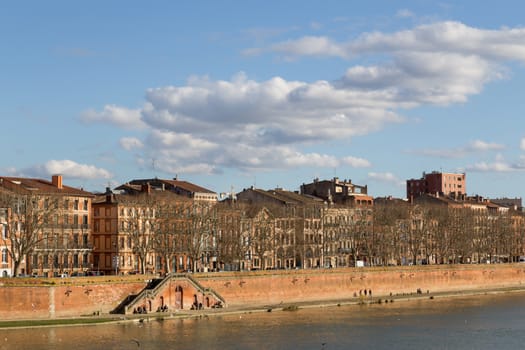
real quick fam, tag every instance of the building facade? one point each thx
(48, 226)
(339, 192)
(437, 184)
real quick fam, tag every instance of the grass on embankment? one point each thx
(53, 322)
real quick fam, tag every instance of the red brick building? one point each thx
(438, 184)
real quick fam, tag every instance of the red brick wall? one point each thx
(326, 285)
(253, 288)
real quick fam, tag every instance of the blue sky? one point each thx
(230, 94)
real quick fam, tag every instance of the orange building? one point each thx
(46, 227)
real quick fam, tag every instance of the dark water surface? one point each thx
(477, 322)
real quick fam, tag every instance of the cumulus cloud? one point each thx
(522, 144)
(439, 63)
(498, 165)
(70, 169)
(122, 117)
(356, 162)
(129, 143)
(206, 125)
(477, 146)
(387, 178)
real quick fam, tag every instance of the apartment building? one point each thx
(48, 226)
(154, 226)
(437, 184)
(339, 192)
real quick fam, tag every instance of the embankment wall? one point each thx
(342, 284)
(74, 297)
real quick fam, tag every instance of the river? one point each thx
(474, 322)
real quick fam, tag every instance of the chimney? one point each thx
(146, 188)
(56, 180)
(108, 195)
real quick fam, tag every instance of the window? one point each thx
(85, 220)
(76, 204)
(85, 204)
(66, 204)
(66, 219)
(75, 219)
(4, 256)
(3, 230)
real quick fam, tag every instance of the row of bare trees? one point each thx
(443, 234)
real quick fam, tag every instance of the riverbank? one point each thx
(94, 320)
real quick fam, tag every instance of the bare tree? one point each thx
(262, 241)
(29, 215)
(138, 222)
(201, 224)
(167, 227)
(230, 249)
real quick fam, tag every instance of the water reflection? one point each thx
(483, 322)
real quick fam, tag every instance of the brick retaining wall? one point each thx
(76, 297)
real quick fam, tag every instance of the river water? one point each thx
(475, 322)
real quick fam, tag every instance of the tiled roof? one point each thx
(188, 186)
(39, 186)
(185, 185)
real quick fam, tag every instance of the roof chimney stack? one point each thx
(56, 180)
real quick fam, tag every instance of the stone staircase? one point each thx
(155, 286)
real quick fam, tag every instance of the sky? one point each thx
(270, 94)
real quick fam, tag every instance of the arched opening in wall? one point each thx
(298, 261)
(207, 302)
(162, 302)
(280, 257)
(179, 294)
(308, 258)
(149, 305)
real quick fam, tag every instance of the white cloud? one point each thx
(356, 162)
(522, 144)
(387, 178)
(404, 13)
(70, 169)
(129, 143)
(207, 125)
(498, 165)
(310, 46)
(437, 63)
(477, 146)
(111, 114)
